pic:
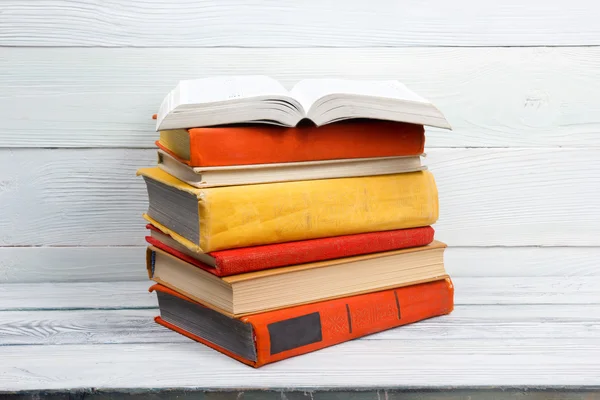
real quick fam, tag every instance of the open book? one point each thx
(225, 100)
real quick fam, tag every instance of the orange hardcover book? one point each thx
(271, 336)
(266, 144)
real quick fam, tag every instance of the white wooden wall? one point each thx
(519, 177)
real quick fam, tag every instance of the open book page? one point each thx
(227, 88)
(308, 91)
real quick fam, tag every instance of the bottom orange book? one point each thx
(271, 336)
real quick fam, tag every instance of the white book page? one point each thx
(308, 91)
(228, 88)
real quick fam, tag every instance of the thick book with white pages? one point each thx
(203, 177)
(224, 100)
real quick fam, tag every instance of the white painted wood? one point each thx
(73, 197)
(507, 197)
(521, 261)
(516, 197)
(520, 290)
(468, 291)
(56, 296)
(83, 327)
(72, 264)
(269, 23)
(543, 322)
(493, 97)
(110, 264)
(354, 364)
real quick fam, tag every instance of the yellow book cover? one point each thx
(219, 218)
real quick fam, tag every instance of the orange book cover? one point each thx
(265, 144)
(293, 331)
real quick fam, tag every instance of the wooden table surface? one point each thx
(503, 333)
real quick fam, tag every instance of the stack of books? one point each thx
(282, 222)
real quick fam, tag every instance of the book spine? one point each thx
(298, 330)
(169, 152)
(257, 258)
(256, 145)
(182, 256)
(251, 215)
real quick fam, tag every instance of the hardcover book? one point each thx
(258, 258)
(273, 336)
(211, 219)
(274, 288)
(203, 177)
(266, 144)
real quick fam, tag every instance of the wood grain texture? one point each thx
(539, 290)
(269, 23)
(57, 296)
(72, 264)
(134, 295)
(493, 97)
(488, 197)
(475, 322)
(354, 364)
(83, 327)
(521, 261)
(111, 264)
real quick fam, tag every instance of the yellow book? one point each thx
(219, 218)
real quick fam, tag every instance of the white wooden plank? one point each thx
(488, 197)
(355, 364)
(269, 23)
(543, 322)
(468, 291)
(539, 290)
(72, 264)
(516, 197)
(521, 261)
(83, 327)
(100, 295)
(493, 97)
(110, 264)
(73, 197)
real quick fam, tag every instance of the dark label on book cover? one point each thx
(295, 332)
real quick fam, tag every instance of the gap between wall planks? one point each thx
(269, 23)
(488, 197)
(114, 264)
(134, 295)
(493, 97)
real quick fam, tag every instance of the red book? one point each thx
(266, 144)
(271, 336)
(257, 258)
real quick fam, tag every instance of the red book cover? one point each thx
(265, 144)
(257, 258)
(289, 332)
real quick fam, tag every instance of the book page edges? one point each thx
(220, 349)
(200, 170)
(242, 315)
